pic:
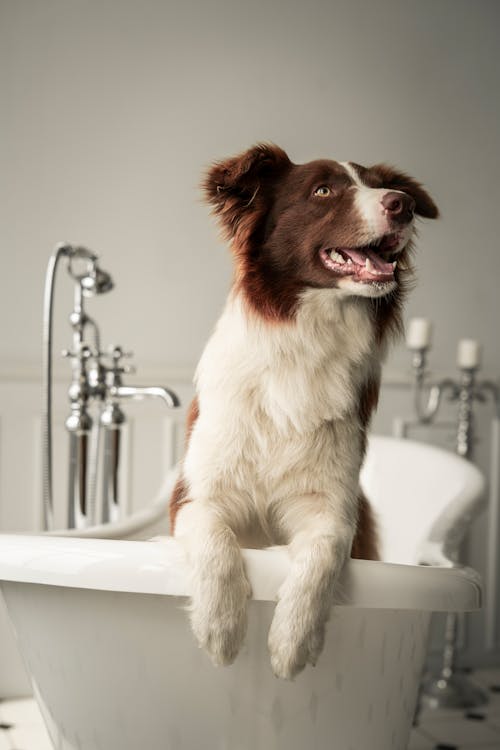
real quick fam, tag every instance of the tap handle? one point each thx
(116, 354)
(87, 358)
(83, 354)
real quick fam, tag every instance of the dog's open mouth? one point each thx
(371, 263)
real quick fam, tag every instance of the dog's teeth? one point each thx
(369, 265)
(394, 264)
(336, 257)
(349, 261)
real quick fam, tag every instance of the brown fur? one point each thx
(263, 202)
(179, 494)
(365, 544)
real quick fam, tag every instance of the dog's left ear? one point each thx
(395, 180)
(237, 187)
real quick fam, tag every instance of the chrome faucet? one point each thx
(95, 385)
(112, 419)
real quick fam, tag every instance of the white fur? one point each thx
(373, 215)
(274, 458)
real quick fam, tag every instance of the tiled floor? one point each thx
(456, 730)
(21, 726)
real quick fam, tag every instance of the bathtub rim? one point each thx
(159, 567)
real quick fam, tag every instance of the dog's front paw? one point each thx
(223, 636)
(287, 659)
(219, 618)
(294, 641)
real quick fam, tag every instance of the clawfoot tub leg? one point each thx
(220, 588)
(305, 599)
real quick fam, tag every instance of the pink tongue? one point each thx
(359, 257)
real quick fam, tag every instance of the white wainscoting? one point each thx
(153, 442)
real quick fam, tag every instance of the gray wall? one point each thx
(112, 108)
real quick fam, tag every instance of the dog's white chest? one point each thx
(269, 393)
(298, 374)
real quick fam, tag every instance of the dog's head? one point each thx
(324, 224)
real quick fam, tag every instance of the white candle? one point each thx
(469, 354)
(419, 333)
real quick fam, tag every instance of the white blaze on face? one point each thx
(368, 202)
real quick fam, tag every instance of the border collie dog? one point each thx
(286, 386)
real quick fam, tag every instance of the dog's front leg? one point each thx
(318, 552)
(220, 588)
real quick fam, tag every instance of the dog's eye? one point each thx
(323, 191)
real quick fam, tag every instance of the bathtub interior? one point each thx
(424, 498)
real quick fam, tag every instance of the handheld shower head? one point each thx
(92, 279)
(96, 281)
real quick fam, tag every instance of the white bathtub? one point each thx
(114, 666)
(143, 524)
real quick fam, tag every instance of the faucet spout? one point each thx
(139, 392)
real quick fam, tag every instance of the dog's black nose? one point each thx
(399, 206)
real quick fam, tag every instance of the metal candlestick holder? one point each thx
(451, 688)
(466, 390)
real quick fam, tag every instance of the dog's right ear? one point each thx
(236, 187)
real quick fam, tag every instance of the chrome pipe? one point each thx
(47, 329)
(111, 475)
(77, 481)
(112, 421)
(92, 474)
